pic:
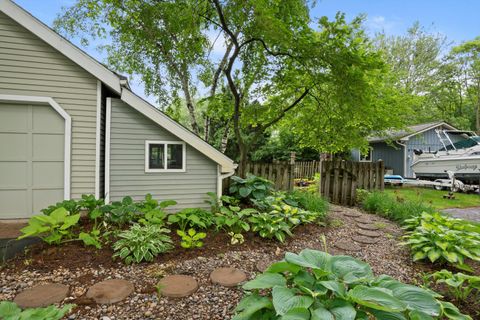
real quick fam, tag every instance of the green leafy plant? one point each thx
(252, 187)
(316, 285)
(191, 239)
(236, 238)
(233, 219)
(269, 225)
(72, 206)
(54, 228)
(460, 286)
(10, 311)
(142, 243)
(309, 201)
(90, 203)
(443, 239)
(191, 218)
(122, 212)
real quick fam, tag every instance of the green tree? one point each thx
(274, 65)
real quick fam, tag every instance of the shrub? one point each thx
(443, 239)
(191, 239)
(310, 201)
(459, 286)
(10, 311)
(316, 285)
(192, 218)
(387, 206)
(54, 228)
(142, 243)
(252, 187)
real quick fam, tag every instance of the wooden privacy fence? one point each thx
(306, 169)
(340, 179)
(280, 173)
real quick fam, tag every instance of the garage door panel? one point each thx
(45, 174)
(14, 146)
(44, 120)
(14, 118)
(13, 174)
(48, 147)
(44, 198)
(14, 204)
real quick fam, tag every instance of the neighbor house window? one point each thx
(366, 157)
(164, 156)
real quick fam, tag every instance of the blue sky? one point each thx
(456, 19)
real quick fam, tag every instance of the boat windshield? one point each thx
(464, 144)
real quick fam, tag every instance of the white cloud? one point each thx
(380, 23)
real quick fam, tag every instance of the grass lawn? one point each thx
(435, 197)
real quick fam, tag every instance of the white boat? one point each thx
(461, 157)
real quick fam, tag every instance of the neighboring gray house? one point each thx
(396, 148)
(69, 126)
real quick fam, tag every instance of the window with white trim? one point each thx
(366, 157)
(165, 156)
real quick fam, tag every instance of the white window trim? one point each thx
(370, 153)
(166, 143)
(68, 132)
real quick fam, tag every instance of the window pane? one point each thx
(175, 156)
(157, 155)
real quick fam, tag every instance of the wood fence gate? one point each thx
(340, 179)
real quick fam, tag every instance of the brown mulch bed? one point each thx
(80, 267)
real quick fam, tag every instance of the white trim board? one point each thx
(61, 44)
(108, 116)
(68, 132)
(98, 138)
(176, 129)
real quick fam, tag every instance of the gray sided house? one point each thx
(69, 126)
(396, 148)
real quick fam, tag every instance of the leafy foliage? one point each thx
(53, 228)
(252, 187)
(142, 243)
(233, 219)
(387, 206)
(191, 239)
(72, 206)
(310, 201)
(10, 311)
(439, 238)
(269, 225)
(460, 286)
(191, 218)
(315, 285)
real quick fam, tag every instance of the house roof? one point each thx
(116, 82)
(410, 131)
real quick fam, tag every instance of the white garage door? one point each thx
(31, 159)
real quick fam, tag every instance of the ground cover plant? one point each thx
(434, 197)
(387, 206)
(443, 239)
(459, 286)
(316, 285)
(10, 311)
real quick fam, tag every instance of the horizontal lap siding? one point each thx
(392, 155)
(129, 131)
(29, 66)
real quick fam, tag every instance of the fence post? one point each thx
(382, 174)
(291, 176)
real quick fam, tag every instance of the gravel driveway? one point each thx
(472, 214)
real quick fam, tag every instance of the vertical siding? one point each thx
(391, 154)
(29, 66)
(129, 130)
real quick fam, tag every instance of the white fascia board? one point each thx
(61, 44)
(449, 127)
(178, 130)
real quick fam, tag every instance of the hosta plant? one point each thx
(191, 238)
(443, 239)
(10, 311)
(252, 187)
(54, 228)
(269, 226)
(142, 243)
(191, 218)
(233, 219)
(316, 285)
(458, 285)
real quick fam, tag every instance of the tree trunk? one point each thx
(242, 165)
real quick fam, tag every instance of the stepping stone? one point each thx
(110, 291)
(177, 286)
(42, 295)
(347, 245)
(364, 220)
(263, 265)
(367, 226)
(364, 239)
(368, 233)
(227, 277)
(352, 214)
